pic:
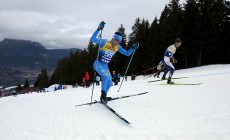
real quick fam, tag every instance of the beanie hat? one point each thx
(178, 40)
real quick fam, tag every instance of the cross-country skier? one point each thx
(106, 51)
(169, 59)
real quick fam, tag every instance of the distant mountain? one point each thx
(24, 53)
(24, 59)
(60, 53)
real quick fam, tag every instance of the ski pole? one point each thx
(146, 70)
(155, 72)
(126, 70)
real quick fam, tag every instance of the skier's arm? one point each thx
(96, 40)
(169, 53)
(130, 51)
(171, 56)
(125, 52)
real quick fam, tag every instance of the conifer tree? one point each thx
(192, 33)
(18, 88)
(155, 53)
(139, 34)
(42, 80)
(221, 15)
(26, 84)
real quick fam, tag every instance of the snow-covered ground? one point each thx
(177, 112)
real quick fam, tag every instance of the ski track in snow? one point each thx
(197, 112)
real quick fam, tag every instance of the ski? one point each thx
(155, 81)
(88, 103)
(116, 98)
(179, 77)
(114, 112)
(167, 79)
(182, 84)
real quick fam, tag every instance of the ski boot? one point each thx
(103, 98)
(170, 82)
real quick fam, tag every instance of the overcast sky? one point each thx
(70, 23)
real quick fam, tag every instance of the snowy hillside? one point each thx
(166, 112)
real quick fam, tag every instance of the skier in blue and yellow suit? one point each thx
(106, 51)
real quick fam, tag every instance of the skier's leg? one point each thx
(103, 71)
(165, 72)
(166, 60)
(109, 83)
(171, 68)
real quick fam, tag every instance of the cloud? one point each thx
(70, 23)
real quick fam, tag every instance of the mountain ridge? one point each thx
(28, 58)
(29, 54)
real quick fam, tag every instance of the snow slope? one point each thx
(176, 112)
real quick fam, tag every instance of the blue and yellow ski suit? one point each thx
(106, 52)
(167, 59)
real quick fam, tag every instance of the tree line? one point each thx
(202, 25)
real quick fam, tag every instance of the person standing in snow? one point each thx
(169, 60)
(113, 76)
(83, 82)
(119, 77)
(87, 79)
(125, 77)
(106, 51)
(97, 80)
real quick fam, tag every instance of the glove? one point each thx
(174, 60)
(135, 46)
(101, 26)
